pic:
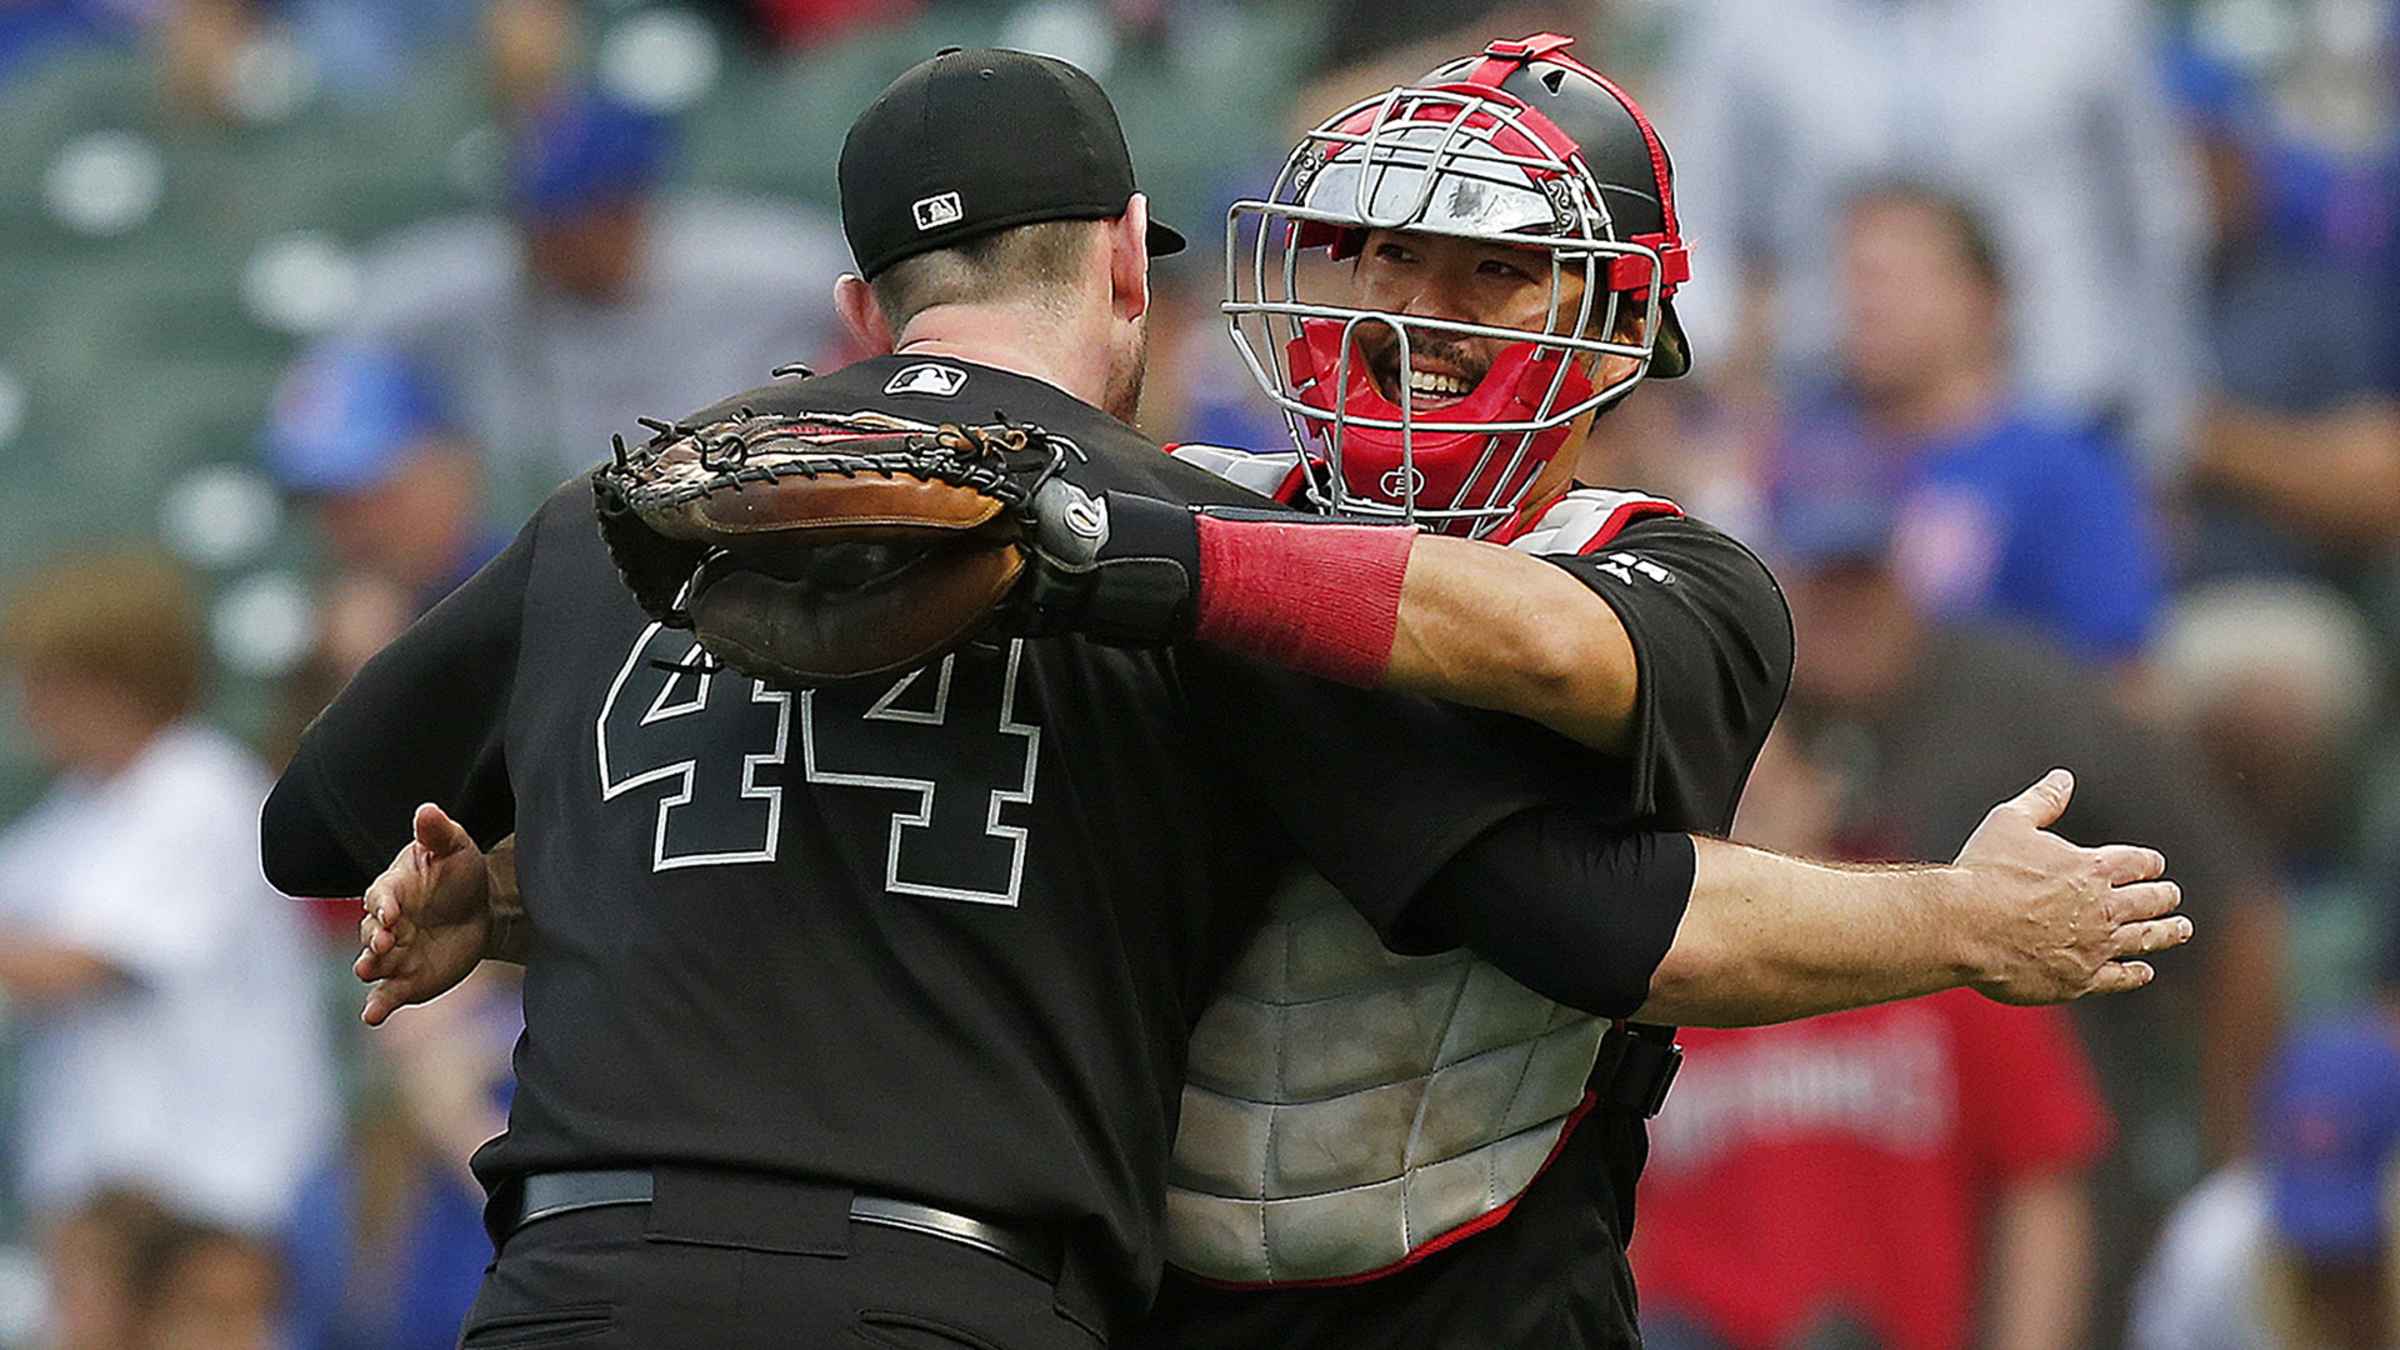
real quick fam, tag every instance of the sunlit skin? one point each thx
(1436, 276)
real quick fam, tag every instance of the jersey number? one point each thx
(716, 745)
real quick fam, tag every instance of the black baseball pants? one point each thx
(601, 1279)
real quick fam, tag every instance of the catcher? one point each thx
(1380, 799)
(1513, 252)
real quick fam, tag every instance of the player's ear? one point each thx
(854, 300)
(1129, 259)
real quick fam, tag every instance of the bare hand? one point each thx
(2051, 922)
(428, 918)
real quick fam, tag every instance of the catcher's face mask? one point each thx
(1441, 399)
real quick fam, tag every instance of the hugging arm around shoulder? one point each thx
(1570, 868)
(422, 722)
(1702, 931)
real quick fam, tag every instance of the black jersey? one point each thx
(938, 937)
(1712, 644)
(1712, 640)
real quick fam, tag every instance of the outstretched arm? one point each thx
(2021, 915)
(1662, 928)
(1382, 606)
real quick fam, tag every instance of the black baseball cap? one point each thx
(978, 140)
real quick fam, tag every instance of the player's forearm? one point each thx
(1676, 929)
(1382, 606)
(2040, 1265)
(1493, 628)
(510, 936)
(1767, 938)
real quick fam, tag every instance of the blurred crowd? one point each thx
(2048, 349)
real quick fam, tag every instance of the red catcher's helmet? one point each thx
(1523, 146)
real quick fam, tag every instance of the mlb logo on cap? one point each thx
(1028, 138)
(935, 212)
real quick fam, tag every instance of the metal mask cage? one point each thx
(1423, 154)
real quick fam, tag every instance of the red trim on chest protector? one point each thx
(1480, 1223)
(1289, 492)
(1625, 514)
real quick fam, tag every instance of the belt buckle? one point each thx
(1645, 1070)
(1654, 1099)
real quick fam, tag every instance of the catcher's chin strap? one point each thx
(1310, 594)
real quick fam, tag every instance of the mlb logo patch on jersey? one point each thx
(936, 211)
(925, 377)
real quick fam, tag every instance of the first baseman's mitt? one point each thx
(812, 548)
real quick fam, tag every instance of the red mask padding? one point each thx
(1512, 390)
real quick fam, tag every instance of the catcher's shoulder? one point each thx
(1589, 519)
(1270, 473)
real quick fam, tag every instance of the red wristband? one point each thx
(1321, 599)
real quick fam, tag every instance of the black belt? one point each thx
(1646, 1062)
(546, 1195)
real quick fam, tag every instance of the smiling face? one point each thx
(1433, 276)
(1522, 198)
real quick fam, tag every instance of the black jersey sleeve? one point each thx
(1377, 791)
(1442, 838)
(1578, 911)
(1712, 644)
(422, 722)
(1383, 792)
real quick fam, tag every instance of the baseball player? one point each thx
(900, 974)
(999, 1081)
(1513, 251)
(1385, 1152)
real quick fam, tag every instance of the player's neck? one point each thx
(1004, 338)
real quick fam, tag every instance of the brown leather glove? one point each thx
(813, 548)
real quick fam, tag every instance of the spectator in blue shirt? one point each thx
(2005, 512)
(2299, 459)
(2298, 466)
(365, 437)
(391, 1248)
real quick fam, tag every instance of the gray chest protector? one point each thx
(1345, 1107)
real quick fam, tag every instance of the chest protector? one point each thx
(1347, 1111)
